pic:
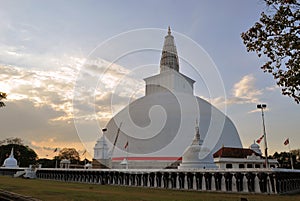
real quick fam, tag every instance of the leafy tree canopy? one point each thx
(70, 154)
(277, 36)
(2, 96)
(12, 140)
(284, 158)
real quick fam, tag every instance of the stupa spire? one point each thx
(169, 57)
(11, 153)
(197, 134)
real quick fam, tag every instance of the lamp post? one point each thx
(103, 131)
(262, 107)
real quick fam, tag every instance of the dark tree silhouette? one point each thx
(284, 159)
(70, 154)
(2, 96)
(12, 140)
(47, 163)
(277, 36)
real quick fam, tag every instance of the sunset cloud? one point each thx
(42, 100)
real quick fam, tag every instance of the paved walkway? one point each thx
(10, 196)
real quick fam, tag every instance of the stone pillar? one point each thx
(234, 188)
(194, 181)
(170, 181)
(262, 176)
(272, 183)
(151, 179)
(239, 181)
(198, 181)
(162, 180)
(213, 183)
(145, 179)
(189, 180)
(185, 183)
(203, 183)
(256, 184)
(245, 183)
(177, 185)
(129, 179)
(223, 187)
(158, 176)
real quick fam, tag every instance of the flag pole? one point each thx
(127, 154)
(55, 150)
(262, 107)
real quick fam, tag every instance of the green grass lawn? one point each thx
(55, 190)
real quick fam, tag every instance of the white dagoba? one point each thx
(196, 155)
(101, 153)
(255, 147)
(159, 126)
(124, 163)
(11, 162)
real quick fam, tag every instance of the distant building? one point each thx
(65, 163)
(229, 157)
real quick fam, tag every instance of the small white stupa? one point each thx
(124, 163)
(88, 166)
(197, 156)
(11, 162)
(255, 147)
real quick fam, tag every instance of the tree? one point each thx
(47, 163)
(277, 36)
(2, 96)
(296, 152)
(70, 154)
(23, 154)
(284, 159)
(12, 140)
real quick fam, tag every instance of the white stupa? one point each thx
(159, 126)
(101, 152)
(196, 155)
(11, 162)
(255, 147)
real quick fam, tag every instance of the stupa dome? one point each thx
(155, 126)
(11, 162)
(160, 126)
(255, 147)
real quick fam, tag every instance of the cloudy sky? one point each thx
(55, 54)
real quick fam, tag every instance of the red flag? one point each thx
(126, 145)
(286, 142)
(259, 139)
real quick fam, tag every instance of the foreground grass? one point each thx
(54, 190)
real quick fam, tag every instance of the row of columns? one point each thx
(260, 182)
(10, 171)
